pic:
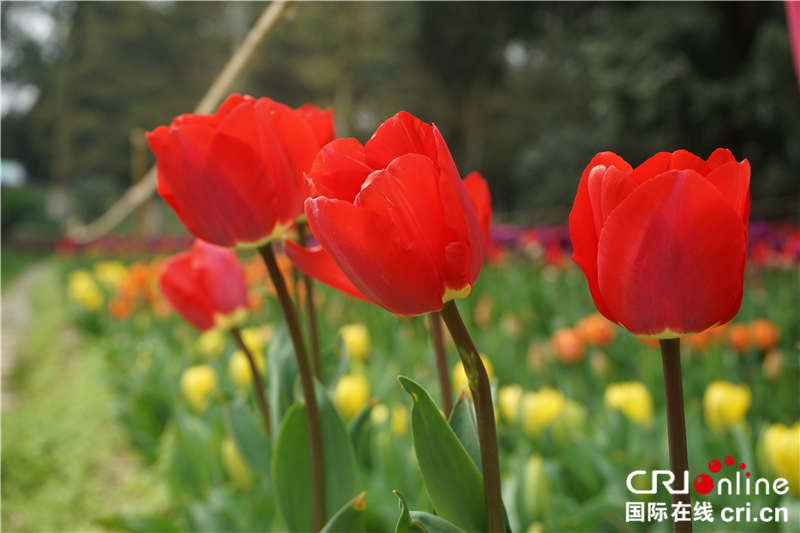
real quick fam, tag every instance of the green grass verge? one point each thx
(14, 262)
(65, 459)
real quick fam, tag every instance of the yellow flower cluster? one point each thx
(725, 404)
(633, 399)
(83, 289)
(110, 273)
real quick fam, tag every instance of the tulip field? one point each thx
(579, 401)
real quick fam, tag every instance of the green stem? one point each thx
(307, 382)
(676, 423)
(311, 311)
(258, 385)
(484, 412)
(442, 367)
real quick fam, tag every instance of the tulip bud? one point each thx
(235, 466)
(508, 398)
(569, 346)
(356, 340)
(460, 380)
(597, 329)
(725, 404)
(537, 488)
(773, 363)
(738, 337)
(539, 409)
(484, 307)
(239, 367)
(598, 361)
(379, 414)
(399, 420)
(256, 339)
(210, 344)
(197, 383)
(763, 334)
(352, 392)
(782, 448)
(633, 399)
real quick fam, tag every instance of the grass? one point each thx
(65, 460)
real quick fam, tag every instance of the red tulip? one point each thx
(481, 198)
(663, 246)
(395, 217)
(235, 178)
(206, 285)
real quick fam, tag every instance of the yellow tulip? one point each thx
(256, 339)
(210, 344)
(633, 399)
(782, 448)
(235, 465)
(239, 367)
(539, 409)
(537, 488)
(379, 414)
(356, 340)
(460, 376)
(351, 393)
(110, 273)
(725, 404)
(82, 289)
(197, 383)
(508, 398)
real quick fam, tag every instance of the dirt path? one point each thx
(16, 316)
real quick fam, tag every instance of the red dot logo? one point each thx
(703, 484)
(729, 460)
(714, 466)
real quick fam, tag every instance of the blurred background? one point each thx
(103, 430)
(526, 93)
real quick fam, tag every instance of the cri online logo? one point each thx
(704, 484)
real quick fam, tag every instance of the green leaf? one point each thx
(454, 483)
(416, 521)
(356, 425)
(349, 518)
(282, 373)
(249, 436)
(291, 470)
(462, 421)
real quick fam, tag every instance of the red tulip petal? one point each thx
(683, 160)
(406, 193)
(478, 192)
(665, 256)
(316, 263)
(607, 188)
(401, 134)
(217, 200)
(398, 276)
(582, 228)
(299, 141)
(321, 122)
(157, 138)
(181, 287)
(733, 181)
(719, 158)
(665, 161)
(339, 170)
(221, 275)
(458, 211)
(278, 187)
